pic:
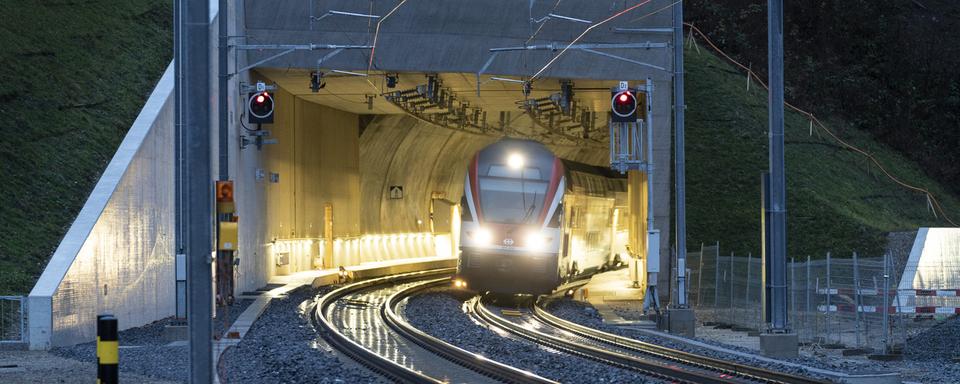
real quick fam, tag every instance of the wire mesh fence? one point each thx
(12, 316)
(849, 302)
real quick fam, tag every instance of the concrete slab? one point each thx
(782, 345)
(681, 322)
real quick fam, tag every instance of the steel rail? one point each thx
(354, 350)
(470, 360)
(740, 370)
(652, 368)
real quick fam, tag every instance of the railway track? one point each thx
(362, 321)
(536, 324)
(681, 357)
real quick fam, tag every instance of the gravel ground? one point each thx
(423, 311)
(144, 351)
(584, 314)
(283, 347)
(940, 342)
(942, 371)
(43, 367)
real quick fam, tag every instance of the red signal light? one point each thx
(624, 97)
(260, 99)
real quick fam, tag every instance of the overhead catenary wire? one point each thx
(584, 33)
(376, 33)
(933, 199)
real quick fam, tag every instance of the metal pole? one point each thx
(829, 301)
(749, 279)
(793, 286)
(700, 279)
(730, 305)
(680, 173)
(649, 125)
(179, 279)
(806, 287)
(778, 185)
(716, 281)
(856, 296)
(223, 77)
(197, 220)
(886, 303)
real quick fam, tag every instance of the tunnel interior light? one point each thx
(515, 161)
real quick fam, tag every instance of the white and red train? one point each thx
(531, 221)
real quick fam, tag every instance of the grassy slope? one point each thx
(835, 201)
(76, 73)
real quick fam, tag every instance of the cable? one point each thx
(668, 6)
(934, 203)
(376, 34)
(590, 28)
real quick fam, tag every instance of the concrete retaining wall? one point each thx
(117, 256)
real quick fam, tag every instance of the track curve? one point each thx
(361, 320)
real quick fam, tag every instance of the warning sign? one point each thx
(396, 191)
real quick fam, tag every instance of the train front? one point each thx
(510, 226)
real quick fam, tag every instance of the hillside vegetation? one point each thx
(76, 73)
(836, 200)
(888, 68)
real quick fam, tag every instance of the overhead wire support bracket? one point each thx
(289, 48)
(558, 46)
(341, 13)
(561, 17)
(643, 30)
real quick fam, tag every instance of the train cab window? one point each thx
(557, 217)
(511, 200)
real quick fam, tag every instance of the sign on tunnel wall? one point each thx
(396, 191)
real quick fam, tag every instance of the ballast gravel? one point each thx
(144, 350)
(440, 313)
(940, 342)
(942, 371)
(283, 347)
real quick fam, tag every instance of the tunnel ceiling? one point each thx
(456, 36)
(451, 41)
(500, 108)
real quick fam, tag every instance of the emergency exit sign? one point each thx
(396, 191)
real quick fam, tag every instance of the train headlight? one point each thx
(536, 241)
(483, 236)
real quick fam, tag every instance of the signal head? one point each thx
(624, 106)
(260, 108)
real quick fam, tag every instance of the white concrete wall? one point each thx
(117, 257)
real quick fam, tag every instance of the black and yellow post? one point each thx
(108, 346)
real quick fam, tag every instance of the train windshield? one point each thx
(512, 200)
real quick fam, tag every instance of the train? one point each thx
(532, 222)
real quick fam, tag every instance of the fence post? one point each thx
(806, 314)
(747, 293)
(886, 303)
(793, 292)
(829, 302)
(816, 315)
(716, 284)
(732, 276)
(856, 295)
(700, 279)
